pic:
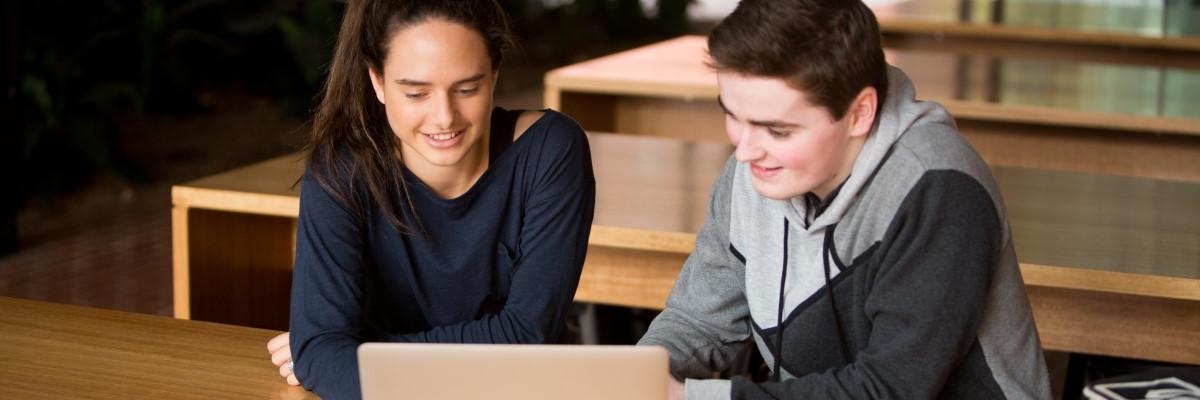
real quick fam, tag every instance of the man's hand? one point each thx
(674, 389)
(281, 356)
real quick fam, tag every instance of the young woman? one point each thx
(427, 214)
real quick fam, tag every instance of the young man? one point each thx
(854, 237)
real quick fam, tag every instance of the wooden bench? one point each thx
(909, 32)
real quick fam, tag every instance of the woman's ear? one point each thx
(862, 111)
(495, 81)
(377, 84)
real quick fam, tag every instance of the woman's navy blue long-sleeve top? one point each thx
(498, 264)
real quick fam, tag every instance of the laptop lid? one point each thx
(492, 371)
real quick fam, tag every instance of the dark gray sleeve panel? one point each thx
(928, 290)
(706, 322)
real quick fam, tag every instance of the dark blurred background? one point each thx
(108, 103)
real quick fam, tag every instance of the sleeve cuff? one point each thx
(706, 389)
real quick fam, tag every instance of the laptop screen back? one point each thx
(476, 371)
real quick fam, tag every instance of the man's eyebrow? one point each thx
(762, 123)
(725, 109)
(413, 82)
(773, 124)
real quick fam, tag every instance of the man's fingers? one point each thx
(291, 380)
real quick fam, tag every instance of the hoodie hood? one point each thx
(900, 112)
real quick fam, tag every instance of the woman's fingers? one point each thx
(278, 342)
(285, 370)
(281, 357)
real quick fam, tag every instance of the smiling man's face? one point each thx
(791, 145)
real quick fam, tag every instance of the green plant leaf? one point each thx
(35, 88)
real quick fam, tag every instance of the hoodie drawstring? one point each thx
(775, 374)
(826, 249)
(827, 246)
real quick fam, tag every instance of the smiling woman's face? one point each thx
(437, 85)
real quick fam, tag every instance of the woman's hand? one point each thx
(281, 356)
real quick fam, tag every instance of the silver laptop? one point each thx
(492, 371)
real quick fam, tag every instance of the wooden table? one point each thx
(1006, 107)
(55, 351)
(1112, 264)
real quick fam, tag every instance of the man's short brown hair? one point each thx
(828, 49)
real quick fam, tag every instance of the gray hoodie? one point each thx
(928, 300)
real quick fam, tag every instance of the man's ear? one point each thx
(862, 111)
(377, 84)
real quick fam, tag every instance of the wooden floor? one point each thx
(122, 263)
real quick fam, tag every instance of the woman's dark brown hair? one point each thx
(828, 49)
(353, 152)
